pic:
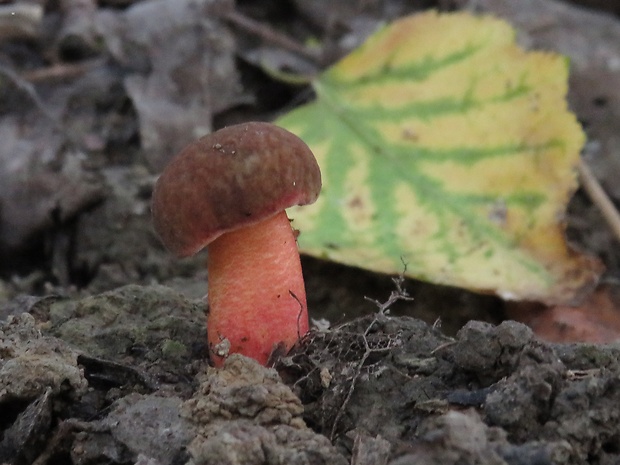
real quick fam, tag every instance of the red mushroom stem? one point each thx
(257, 298)
(228, 191)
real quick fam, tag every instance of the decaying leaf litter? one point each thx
(111, 244)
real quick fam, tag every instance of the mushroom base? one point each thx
(257, 298)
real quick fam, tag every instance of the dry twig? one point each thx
(26, 87)
(270, 35)
(62, 70)
(399, 294)
(600, 198)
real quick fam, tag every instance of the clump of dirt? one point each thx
(33, 363)
(38, 375)
(116, 378)
(395, 377)
(148, 336)
(245, 414)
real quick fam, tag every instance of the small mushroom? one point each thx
(228, 191)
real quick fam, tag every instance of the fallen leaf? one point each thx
(447, 148)
(596, 320)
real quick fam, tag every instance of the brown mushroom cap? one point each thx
(231, 178)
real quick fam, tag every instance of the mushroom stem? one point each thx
(257, 298)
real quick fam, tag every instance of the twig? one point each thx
(600, 198)
(399, 294)
(358, 371)
(270, 35)
(30, 91)
(61, 70)
(299, 314)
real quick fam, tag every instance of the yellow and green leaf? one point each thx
(446, 147)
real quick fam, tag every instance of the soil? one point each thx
(102, 332)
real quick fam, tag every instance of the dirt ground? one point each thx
(102, 332)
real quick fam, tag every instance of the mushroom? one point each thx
(228, 191)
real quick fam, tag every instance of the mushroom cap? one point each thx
(229, 179)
